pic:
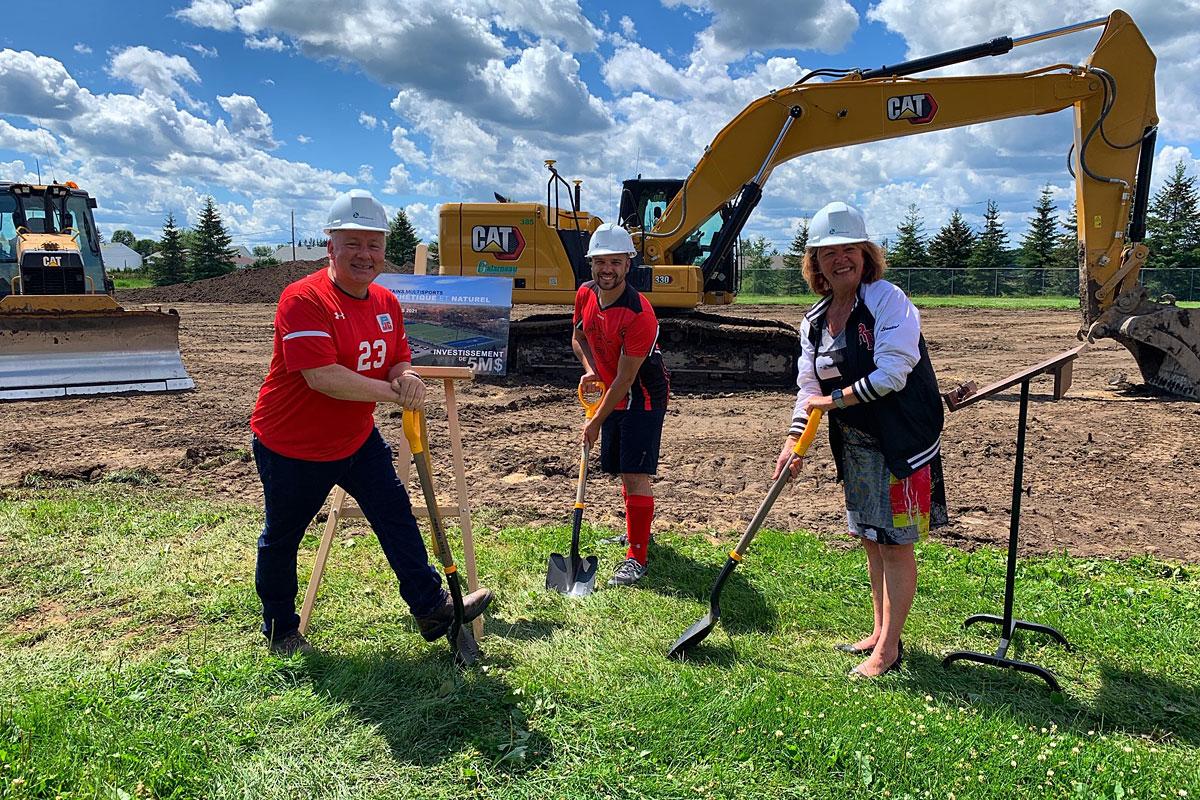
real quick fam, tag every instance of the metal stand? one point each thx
(1060, 367)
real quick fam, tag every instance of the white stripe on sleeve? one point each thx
(302, 334)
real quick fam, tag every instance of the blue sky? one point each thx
(273, 106)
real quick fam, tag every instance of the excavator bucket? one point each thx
(53, 347)
(1163, 338)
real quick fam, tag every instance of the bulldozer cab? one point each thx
(48, 241)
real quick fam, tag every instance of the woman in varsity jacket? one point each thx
(863, 361)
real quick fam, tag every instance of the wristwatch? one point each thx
(837, 398)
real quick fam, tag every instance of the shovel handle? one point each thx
(810, 432)
(414, 423)
(590, 408)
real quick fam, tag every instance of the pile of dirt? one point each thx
(249, 285)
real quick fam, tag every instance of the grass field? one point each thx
(957, 301)
(121, 282)
(130, 667)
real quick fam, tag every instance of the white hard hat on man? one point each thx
(837, 223)
(611, 239)
(356, 210)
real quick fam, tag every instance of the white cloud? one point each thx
(37, 141)
(216, 14)
(82, 49)
(155, 71)
(628, 29)
(248, 120)
(265, 43)
(302, 139)
(205, 52)
(741, 26)
(36, 87)
(367, 121)
(366, 174)
(408, 152)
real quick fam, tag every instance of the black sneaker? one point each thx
(290, 645)
(627, 573)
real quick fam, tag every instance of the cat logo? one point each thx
(51, 261)
(504, 242)
(918, 109)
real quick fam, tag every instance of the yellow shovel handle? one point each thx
(413, 425)
(589, 409)
(810, 432)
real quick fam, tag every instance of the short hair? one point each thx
(874, 265)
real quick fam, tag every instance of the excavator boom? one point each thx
(687, 231)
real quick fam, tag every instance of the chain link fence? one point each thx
(993, 282)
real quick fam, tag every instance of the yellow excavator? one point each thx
(61, 332)
(686, 230)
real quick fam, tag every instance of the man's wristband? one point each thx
(837, 398)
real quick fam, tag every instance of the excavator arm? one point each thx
(1112, 94)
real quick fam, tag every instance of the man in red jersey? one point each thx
(339, 349)
(616, 340)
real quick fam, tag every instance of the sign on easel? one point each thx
(455, 321)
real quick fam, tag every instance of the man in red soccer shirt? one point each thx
(616, 340)
(339, 349)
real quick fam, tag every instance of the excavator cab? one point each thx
(643, 201)
(63, 332)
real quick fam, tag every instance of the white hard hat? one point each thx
(356, 210)
(837, 223)
(611, 239)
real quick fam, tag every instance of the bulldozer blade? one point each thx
(55, 355)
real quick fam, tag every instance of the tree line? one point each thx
(206, 251)
(960, 260)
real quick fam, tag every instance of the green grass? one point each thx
(120, 282)
(130, 667)
(956, 301)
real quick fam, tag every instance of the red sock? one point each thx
(639, 513)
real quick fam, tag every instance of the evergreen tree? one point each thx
(1039, 246)
(950, 250)
(989, 256)
(1065, 277)
(402, 241)
(1173, 234)
(793, 261)
(171, 265)
(433, 258)
(909, 254)
(210, 254)
(757, 275)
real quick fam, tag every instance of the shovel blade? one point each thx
(463, 646)
(692, 636)
(584, 582)
(558, 573)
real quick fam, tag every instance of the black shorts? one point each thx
(629, 442)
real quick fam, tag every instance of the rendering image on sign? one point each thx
(454, 321)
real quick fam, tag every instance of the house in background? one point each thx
(120, 257)
(242, 256)
(284, 253)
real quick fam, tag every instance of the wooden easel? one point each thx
(341, 507)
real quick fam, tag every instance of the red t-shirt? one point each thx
(627, 326)
(317, 324)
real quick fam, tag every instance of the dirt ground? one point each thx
(1106, 473)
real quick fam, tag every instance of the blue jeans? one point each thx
(294, 491)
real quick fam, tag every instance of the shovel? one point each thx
(696, 633)
(462, 643)
(575, 576)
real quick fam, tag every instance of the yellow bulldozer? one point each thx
(62, 334)
(687, 230)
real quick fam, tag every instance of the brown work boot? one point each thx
(435, 625)
(290, 645)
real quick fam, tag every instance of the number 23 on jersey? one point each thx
(371, 355)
